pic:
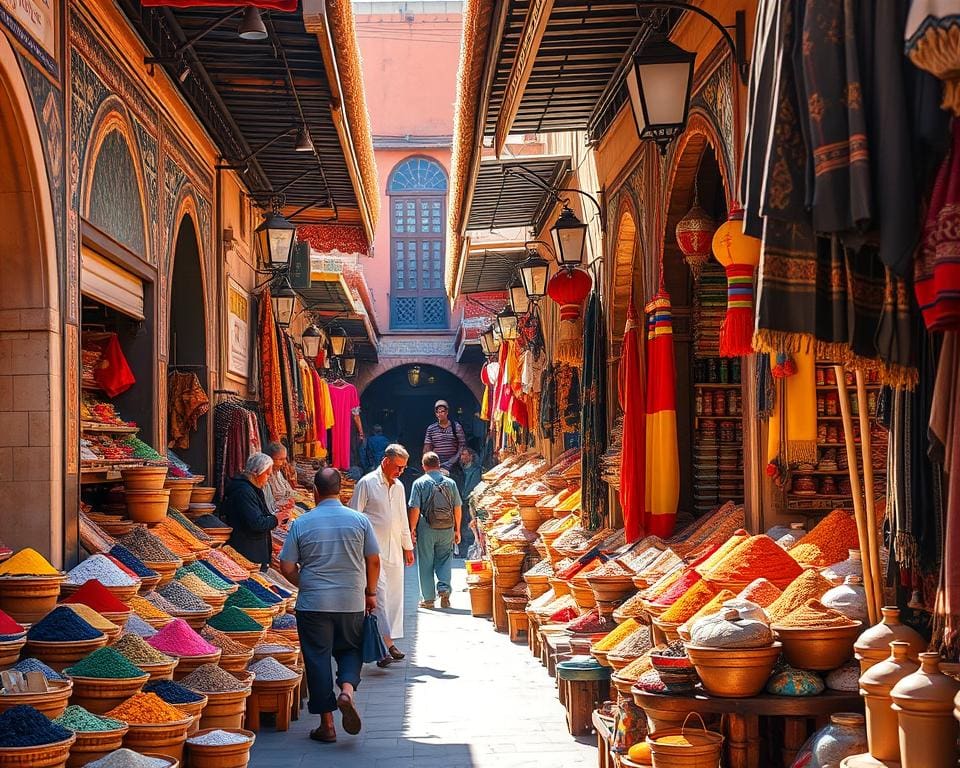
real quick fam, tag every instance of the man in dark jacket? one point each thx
(244, 508)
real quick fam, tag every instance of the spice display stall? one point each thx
(163, 646)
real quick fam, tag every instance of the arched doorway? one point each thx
(404, 411)
(188, 338)
(31, 376)
(711, 457)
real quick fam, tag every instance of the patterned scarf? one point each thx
(593, 420)
(271, 385)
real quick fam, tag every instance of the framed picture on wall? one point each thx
(238, 329)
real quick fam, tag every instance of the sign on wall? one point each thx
(34, 25)
(238, 328)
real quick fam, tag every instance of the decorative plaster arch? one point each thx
(626, 249)
(187, 206)
(112, 116)
(468, 374)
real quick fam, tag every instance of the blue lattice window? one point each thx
(417, 174)
(417, 246)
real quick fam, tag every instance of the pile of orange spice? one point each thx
(689, 603)
(147, 610)
(809, 585)
(714, 606)
(829, 542)
(739, 536)
(761, 592)
(815, 615)
(756, 557)
(146, 708)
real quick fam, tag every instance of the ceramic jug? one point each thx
(873, 645)
(875, 686)
(927, 730)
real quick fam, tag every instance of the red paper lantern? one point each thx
(694, 233)
(739, 254)
(569, 289)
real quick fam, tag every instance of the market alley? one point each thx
(466, 697)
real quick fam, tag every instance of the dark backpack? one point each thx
(439, 507)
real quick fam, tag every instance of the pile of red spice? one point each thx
(8, 626)
(564, 615)
(679, 588)
(590, 624)
(94, 595)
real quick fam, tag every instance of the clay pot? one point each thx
(143, 478)
(44, 756)
(10, 651)
(123, 594)
(194, 708)
(733, 672)
(100, 695)
(162, 671)
(195, 619)
(27, 599)
(60, 654)
(923, 702)
(166, 570)
(180, 491)
(250, 639)
(235, 663)
(189, 663)
(875, 686)
(148, 506)
(819, 649)
(221, 756)
(873, 645)
(159, 738)
(225, 710)
(92, 745)
(52, 703)
(202, 494)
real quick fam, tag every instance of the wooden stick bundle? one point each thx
(865, 528)
(866, 448)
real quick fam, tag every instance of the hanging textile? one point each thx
(548, 403)
(325, 418)
(186, 403)
(286, 384)
(309, 407)
(662, 473)
(593, 422)
(112, 372)
(271, 373)
(236, 432)
(346, 405)
(632, 460)
(945, 445)
(937, 268)
(794, 414)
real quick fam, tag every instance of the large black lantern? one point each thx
(659, 83)
(338, 341)
(534, 272)
(311, 339)
(519, 302)
(489, 342)
(276, 237)
(569, 239)
(507, 321)
(284, 301)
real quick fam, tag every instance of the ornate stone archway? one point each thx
(469, 374)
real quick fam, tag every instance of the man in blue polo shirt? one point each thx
(331, 554)
(435, 512)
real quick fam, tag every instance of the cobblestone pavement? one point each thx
(465, 697)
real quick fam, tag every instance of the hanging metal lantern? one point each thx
(694, 237)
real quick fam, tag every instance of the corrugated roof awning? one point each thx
(489, 269)
(252, 96)
(504, 199)
(331, 299)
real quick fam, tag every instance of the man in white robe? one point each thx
(380, 495)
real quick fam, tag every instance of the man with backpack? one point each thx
(444, 437)
(435, 512)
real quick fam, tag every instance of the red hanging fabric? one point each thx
(112, 371)
(632, 403)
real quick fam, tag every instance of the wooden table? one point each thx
(741, 721)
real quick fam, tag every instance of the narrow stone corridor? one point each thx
(465, 697)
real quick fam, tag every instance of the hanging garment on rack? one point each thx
(186, 402)
(306, 385)
(323, 412)
(237, 429)
(271, 372)
(346, 403)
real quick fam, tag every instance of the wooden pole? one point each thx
(858, 510)
(866, 448)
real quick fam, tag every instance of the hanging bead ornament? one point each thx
(694, 234)
(739, 254)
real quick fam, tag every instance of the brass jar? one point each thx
(923, 702)
(875, 686)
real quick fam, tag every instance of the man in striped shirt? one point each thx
(445, 438)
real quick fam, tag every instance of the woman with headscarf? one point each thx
(244, 508)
